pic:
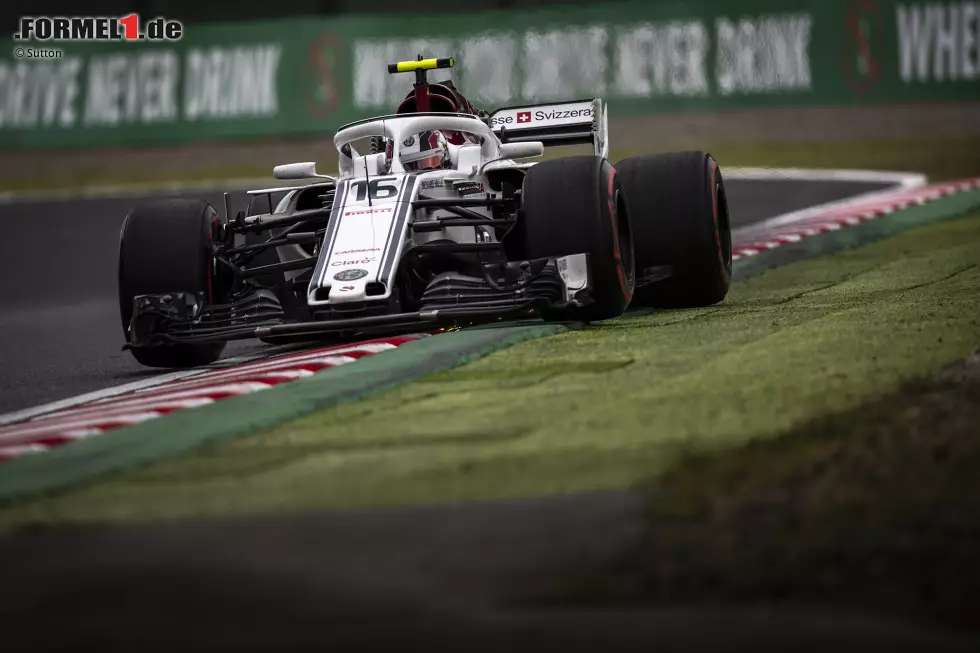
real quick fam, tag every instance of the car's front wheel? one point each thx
(575, 205)
(165, 246)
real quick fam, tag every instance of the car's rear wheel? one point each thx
(573, 206)
(679, 214)
(165, 246)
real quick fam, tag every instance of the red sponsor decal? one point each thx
(361, 212)
(357, 251)
(346, 288)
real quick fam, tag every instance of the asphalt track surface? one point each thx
(460, 578)
(60, 333)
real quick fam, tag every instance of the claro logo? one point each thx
(361, 261)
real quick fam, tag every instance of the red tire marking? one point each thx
(714, 215)
(617, 254)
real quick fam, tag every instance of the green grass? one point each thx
(611, 406)
(872, 508)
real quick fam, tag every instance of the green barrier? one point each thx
(308, 76)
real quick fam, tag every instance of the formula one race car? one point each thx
(439, 223)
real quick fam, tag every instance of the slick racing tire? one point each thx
(679, 214)
(165, 246)
(573, 206)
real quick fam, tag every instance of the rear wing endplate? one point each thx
(564, 123)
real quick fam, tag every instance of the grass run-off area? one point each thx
(615, 405)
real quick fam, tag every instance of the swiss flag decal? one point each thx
(523, 116)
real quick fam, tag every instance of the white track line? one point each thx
(28, 413)
(906, 180)
(135, 386)
(224, 369)
(75, 429)
(153, 403)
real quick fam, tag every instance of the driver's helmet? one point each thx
(425, 151)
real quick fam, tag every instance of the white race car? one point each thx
(435, 219)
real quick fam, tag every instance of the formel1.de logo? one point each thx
(97, 28)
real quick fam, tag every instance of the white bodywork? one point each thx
(370, 226)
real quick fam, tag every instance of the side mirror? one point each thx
(521, 150)
(305, 170)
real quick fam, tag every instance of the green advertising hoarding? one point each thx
(308, 76)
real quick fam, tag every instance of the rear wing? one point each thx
(564, 123)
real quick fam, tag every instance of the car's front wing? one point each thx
(183, 317)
